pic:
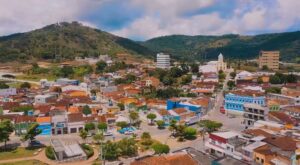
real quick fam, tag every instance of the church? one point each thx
(214, 66)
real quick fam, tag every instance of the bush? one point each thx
(160, 148)
(88, 150)
(50, 153)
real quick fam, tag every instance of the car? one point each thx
(35, 143)
(108, 133)
(129, 132)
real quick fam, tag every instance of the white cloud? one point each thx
(165, 17)
(25, 15)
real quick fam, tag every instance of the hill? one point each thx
(232, 46)
(65, 40)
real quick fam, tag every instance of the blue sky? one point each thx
(145, 19)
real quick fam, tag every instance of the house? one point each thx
(43, 99)
(59, 120)
(254, 112)
(293, 111)
(75, 122)
(8, 92)
(225, 143)
(65, 152)
(177, 103)
(235, 100)
(66, 81)
(44, 125)
(283, 118)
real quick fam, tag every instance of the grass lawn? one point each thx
(27, 162)
(17, 153)
(36, 77)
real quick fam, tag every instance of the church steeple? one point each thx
(220, 57)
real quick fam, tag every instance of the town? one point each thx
(122, 110)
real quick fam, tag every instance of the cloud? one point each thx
(144, 19)
(20, 16)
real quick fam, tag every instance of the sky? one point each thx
(145, 19)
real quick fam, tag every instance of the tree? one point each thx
(273, 90)
(175, 72)
(209, 125)
(230, 84)
(25, 85)
(184, 68)
(222, 76)
(145, 135)
(160, 148)
(3, 85)
(130, 78)
(6, 128)
(83, 134)
(111, 151)
(86, 110)
(121, 106)
(98, 137)
(66, 71)
(275, 79)
(102, 126)
(127, 147)
(151, 117)
(89, 127)
(168, 80)
(291, 78)
(232, 75)
(100, 66)
(194, 68)
(32, 132)
(122, 124)
(133, 116)
(160, 124)
(186, 79)
(190, 132)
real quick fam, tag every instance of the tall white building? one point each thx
(163, 61)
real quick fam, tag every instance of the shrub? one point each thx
(88, 150)
(160, 148)
(50, 153)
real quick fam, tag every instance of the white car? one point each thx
(129, 132)
(108, 133)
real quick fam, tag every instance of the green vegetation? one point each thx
(230, 84)
(32, 132)
(191, 48)
(89, 127)
(50, 153)
(122, 124)
(160, 148)
(160, 124)
(6, 128)
(19, 152)
(209, 125)
(89, 151)
(65, 41)
(83, 134)
(273, 90)
(280, 78)
(86, 110)
(25, 162)
(102, 126)
(151, 117)
(190, 133)
(3, 85)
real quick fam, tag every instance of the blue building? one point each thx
(172, 104)
(235, 102)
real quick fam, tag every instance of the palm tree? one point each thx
(98, 137)
(83, 134)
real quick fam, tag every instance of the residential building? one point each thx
(226, 143)
(163, 61)
(8, 92)
(269, 59)
(234, 101)
(254, 112)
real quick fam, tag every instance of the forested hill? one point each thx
(65, 40)
(232, 46)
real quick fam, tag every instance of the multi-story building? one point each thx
(269, 59)
(227, 143)
(163, 61)
(234, 101)
(254, 112)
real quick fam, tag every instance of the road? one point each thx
(234, 124)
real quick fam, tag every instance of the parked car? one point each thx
(107, 133)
